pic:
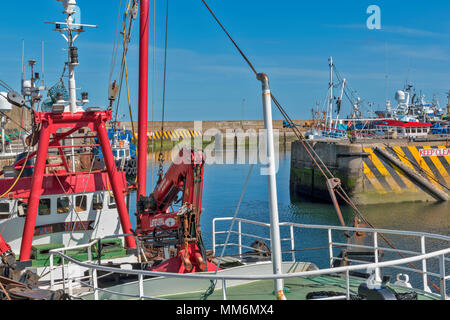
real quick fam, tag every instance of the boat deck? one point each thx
(295, 289)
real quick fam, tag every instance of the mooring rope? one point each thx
(212, 287)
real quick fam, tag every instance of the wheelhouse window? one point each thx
(4, 210)
(80, 203)
(44, 208)
(97, 201)
(63, 205)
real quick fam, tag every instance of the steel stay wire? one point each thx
(299, 135)
(161, 155)
(211, 288)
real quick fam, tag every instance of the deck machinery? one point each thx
(159, 225)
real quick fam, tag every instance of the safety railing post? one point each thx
(240, 237)
(140, 276)
(52, 279)
(443, 285)
(63, 273)
(376, 250)
(90, 269)
(69, 279)
(424, 265)
(214, 237)
(291, 228)
(141, 286)
(224, 289)
(347, 284)
(95, 280)
(330, 247)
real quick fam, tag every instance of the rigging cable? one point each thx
(126, 40)
(125, 51)
(115, 46)
(161, 155)
(153, 87)
(5, 85)
(310, 150)
(212, 286)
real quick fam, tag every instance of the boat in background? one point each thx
(396, 129)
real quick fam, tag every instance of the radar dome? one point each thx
(400, 96)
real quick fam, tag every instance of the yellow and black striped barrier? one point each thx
(385, 177)
(173, 134)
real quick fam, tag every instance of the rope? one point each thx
(5, 85)
(115, 46)
(161, 155)
(235, 44)
(21, 171)
(126, 79)
(5, 292)
(125, 50)
(212, 286)
(107, 186)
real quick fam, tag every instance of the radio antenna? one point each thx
(43, 60)
(23, 60)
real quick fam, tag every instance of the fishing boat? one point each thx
(61, 192)
(333, 125)
(413, 107)
(173, 263)
(402, 129)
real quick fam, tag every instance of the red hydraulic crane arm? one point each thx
(186, 174)
(159, 224)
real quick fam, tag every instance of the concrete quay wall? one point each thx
(367, 176)
(221, 125)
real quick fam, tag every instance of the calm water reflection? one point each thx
(223, 185)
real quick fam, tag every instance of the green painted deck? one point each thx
(295, 289)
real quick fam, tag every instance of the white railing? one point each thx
(67, 280)
(421, 256)
(331, 245)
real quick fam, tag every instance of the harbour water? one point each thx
(223, 185)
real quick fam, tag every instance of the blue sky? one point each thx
(289, 40)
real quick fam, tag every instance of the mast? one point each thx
(341, 96)
(330, 106)
(43, 64)
(448, 104)
(273, 201)
(72, 58)
(70, 122)
(143, 100)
